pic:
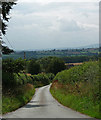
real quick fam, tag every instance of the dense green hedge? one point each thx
(79, 88)
(42, 79)
(18, 85)
(88, 71)
(13, 80)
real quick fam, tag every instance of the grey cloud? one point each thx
(28, 7)
(52, 25)
(69, 26)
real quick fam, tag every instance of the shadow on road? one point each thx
(31, 106)
(34, 101)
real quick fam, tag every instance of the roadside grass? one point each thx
(79, 89)
(18, 89)
(0, 106)
(83, 105)
(22, 95)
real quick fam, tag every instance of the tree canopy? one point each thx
(51, 64)
(56, 65)
(5, 8)
(13, 66)
(33, 67)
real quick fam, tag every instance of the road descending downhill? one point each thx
(43, 105)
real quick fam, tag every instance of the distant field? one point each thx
(57, 53)
(74, 64)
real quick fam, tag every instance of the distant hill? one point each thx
(91, 46)
(55, 52)
(62, 48)
(81, 47)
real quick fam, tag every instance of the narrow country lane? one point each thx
(43, 105)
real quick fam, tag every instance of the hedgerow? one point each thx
(79, 88)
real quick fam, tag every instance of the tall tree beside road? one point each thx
(5, 8)
(56, 65)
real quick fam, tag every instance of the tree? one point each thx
(5, 8)
(13, 66)
(6, 50)
(44, 62)
(56, 65)
(34, 67)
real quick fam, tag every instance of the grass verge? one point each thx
(81, 104)
(18, 98)
(79, 88)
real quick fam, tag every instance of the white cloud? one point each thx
(69, 26)
(53, 24)
(88, 26)
(48, 1)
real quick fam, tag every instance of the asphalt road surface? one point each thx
(43, 105)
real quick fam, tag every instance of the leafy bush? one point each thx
(13, 66)
(78, 88)
(24, 78)
(50, 76)
(8, 80)
(16, 98)
(88, 71)
(13, 80)
(40, 80)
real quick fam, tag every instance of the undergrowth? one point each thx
(78, 88)
(17, 98)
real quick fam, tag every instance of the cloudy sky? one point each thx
(49, 24)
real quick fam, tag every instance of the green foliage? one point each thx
(6, 7)
(81, 58)
(40, 80)
(51, 64)
(23, 78)
(8, 80)
(45, 62)
(56, 65)
(69, 55)
(10, 67)
(81, 104)
(13, 66)
(13, 80)
(88, 71)
(43, 78)
(17, 97)
(34, 67)
(6, 50)
(79, 88)
(50, 76)
(20, 65)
